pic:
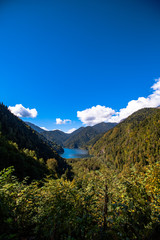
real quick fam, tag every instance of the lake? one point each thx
(74, 153)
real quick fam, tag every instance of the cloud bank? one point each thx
(60, 121)
(21, 111)
(71, 130)
(97, 114)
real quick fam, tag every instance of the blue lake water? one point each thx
(74, 153)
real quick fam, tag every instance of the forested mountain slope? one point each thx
(36, 128)
(25, 142)
(24, 161)
(135, 140)
(80, 137)
(104, 127)
(48, 140)
(56, 136)
(101, 202)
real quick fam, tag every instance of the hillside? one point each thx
(135, 140)
(24, 161)
(48, 141)
(103, 127)
(56, 136)
(25, 141)
(80, 137)
(103, 201)
(35, 127)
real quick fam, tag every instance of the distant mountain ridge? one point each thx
(80, 137)
(35, 127)
(56, 146)
(56, 136)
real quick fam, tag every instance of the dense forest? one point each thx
(25, 149)
(113, 195)
(34, 127)
(136, 140)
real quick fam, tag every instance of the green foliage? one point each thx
(17, 131)
(135, 140)
(85, 165)
(25, 149)
(100, 202)
(83, 136)
(52, 165)
(58, 209)
(80, 139)
(25, 161)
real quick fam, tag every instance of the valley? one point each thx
(99, 182)
(79, 120)
(80, 138)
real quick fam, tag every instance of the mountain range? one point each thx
(135, 140)
(114, 191)
(77, 139)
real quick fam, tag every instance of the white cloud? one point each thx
(21, 111)
(44, 128)
(94, 115)
(151, 101)
(99, 113)
(71, 130)
(60, 121)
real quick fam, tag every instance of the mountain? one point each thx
(77, 131)
(134, 140)
(56, 136)
(104, 127)
(80, 137)
(27, 146)
(48, 140)
(34, 127)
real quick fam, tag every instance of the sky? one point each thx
(67, 64)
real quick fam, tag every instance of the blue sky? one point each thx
(78, 61)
